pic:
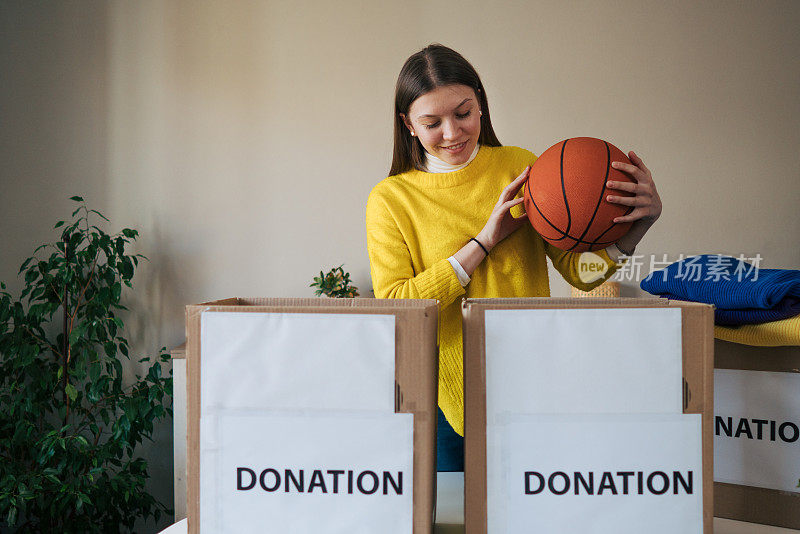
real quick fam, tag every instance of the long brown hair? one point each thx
(434, 66)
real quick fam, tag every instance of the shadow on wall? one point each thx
(154, 305)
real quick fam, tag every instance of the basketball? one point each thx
(565, 194)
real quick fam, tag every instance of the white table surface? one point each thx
(450, 513)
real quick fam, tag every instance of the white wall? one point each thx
(242, 138)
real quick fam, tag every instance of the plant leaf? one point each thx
(99, 214)
(11, 518)
(72, 393)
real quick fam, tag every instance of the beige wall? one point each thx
(242, 138)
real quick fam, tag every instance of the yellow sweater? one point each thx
(771, 334)
(416, 220)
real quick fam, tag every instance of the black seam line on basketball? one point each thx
(610, 226)
(563, 235)
(559, 230)
(590, 243)
(599, 200)
(564, 188)
(556, 228)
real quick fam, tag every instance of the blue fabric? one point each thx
(788, 307)
(449, 447)
(742, 293)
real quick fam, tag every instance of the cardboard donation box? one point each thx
(757, 433)
(311, 415)
(588, 415)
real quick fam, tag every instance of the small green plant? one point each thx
(69, 426)
(335, 284)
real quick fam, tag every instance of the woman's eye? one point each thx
(463, 115)
(434, 125)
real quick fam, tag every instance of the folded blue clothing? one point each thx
(726, 282)
(788, 307)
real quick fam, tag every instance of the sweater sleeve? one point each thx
(568, 264)
(391, 267)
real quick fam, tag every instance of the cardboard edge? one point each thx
(357, 302)
(475, 511)
(757, 505)
(568, 302)
(179, 352)
(730, 355)
(193, 416)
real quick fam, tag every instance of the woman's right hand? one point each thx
(501, 223)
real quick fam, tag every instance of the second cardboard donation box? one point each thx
(588, 415)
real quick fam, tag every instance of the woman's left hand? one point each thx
(646, 202)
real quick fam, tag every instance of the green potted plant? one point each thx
(70, 423)
(335, 284)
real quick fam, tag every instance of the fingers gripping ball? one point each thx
(565, 195)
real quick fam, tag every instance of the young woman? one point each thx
(447, 223)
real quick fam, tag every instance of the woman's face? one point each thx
(447, 122)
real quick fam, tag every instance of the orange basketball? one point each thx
(565, 195)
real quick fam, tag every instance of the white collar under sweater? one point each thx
(436, 165)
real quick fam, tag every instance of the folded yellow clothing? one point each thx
(772, 334)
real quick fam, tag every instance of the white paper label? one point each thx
(757, 429)
(613, 360)
(625, 474)
(297, 361)
(307, 474)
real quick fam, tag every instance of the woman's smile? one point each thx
(455, 149)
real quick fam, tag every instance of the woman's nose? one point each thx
(449, 129)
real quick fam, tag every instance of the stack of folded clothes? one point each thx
(753, 306)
